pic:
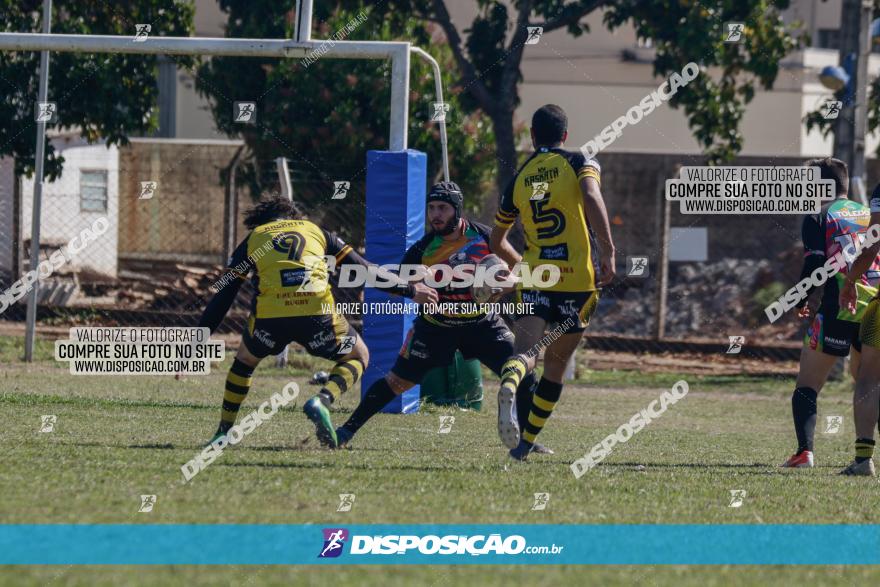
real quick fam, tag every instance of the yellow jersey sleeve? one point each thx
(507, 210)
(586, 167)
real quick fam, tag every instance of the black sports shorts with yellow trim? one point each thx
(429, 345)
(328, 336)
(870, 330)
(555, 307)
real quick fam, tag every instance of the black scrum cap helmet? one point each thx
(449, 192)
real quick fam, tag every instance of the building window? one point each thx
(828, 39)
(93, 191)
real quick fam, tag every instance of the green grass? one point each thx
(119, 437)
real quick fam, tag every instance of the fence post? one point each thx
(665, 212)
(43, 91)
(231, 204)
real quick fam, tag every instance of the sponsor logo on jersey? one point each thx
(555, 252)
(291, 277)
(851, 213)
(544, 175)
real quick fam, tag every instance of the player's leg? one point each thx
(426, 346)
(524, 396)
(331, 337)
(377, 397)
(548, 390)
(350, 366)
(238, 380)
(527, 331)
(572, 312)
(492, 343)
(866, 398)
(517, 369)
(825, 342)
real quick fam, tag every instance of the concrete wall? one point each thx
(633, 183)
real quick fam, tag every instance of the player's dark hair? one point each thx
(271, 208)
(549, 123)
(835, 169)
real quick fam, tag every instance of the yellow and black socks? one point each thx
(543, 401)
(342, 377)
(238, 383)
(803, 411)
(524, 398)
(513, 372)
(864, 449)
(376, 398)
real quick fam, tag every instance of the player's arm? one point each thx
(848, 293)
(597, 216)
(346, 255)
(225, 290)
(504, 219)
(423, 293)
(814, 257)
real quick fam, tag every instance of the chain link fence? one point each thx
(173, 212)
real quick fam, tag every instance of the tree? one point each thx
(682, 31)
(325, 115)
(105, 96)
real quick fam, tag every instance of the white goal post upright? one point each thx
(298, 47)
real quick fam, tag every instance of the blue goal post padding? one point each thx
(396, 183)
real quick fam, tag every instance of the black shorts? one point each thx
(428, 346)
(832, 336)
(327, 336)
(555, 307)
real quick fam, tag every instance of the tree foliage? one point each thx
(106, 96)
(683, 31)
(325, 115)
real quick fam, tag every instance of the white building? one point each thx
(87, 190)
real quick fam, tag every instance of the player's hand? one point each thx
(848, 296)
(606, 268)
(804, 312)
(424, 294)
(507, 281)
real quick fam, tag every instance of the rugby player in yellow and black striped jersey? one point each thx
(286, 255)
(556, 196)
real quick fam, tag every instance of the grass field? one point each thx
(119, 437)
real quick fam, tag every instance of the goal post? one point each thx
(386, 237)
